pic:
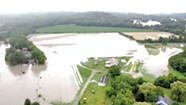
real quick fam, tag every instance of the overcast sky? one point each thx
(136, 6)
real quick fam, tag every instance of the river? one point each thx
(55, 81)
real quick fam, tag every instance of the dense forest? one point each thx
(28, 23)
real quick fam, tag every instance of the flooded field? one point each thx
(55, 80)
(148, 35)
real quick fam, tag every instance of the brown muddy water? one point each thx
(55, 81)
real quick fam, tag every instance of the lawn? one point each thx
(99, 64)
(97, 98)
(71, 28)
(148, 77)
(175, 72)
(85, 73)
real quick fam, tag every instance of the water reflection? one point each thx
(37, 69)
(18, 70)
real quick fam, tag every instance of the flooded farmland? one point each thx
(55, 81)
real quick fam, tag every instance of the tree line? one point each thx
(165, 40)
(29, 23)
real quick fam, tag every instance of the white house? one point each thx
(111, 62)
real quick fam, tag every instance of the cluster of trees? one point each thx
(37, 55)
(114, 71)
(15, 55)
(178, 91)
(28, 102)
(165, 80)
(19, 42)
(28, 23)
(148, 92)
(178, 62)
(178, 88)
(126, 90)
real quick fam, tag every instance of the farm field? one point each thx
(148, 35)
(87, 29)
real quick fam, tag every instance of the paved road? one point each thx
(84, 87)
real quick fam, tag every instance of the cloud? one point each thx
(138, 6)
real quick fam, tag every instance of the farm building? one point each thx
(111, 62)
(103, 81)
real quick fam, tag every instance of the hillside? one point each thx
(28, 23)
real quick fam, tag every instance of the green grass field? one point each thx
(175, 72)
(85, 73)
(97, 98)
(87, 29)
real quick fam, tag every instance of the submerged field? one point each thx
(148, 35)
(87, 29)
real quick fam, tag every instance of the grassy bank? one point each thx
(85, 73)
(148, 77)
(175, 72)
(87, 29)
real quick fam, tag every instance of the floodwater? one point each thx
(55, 81)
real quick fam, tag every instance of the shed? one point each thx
(103, 81)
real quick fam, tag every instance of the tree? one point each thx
(19, 41)
(27, 102)
(140, 80)
(124, 98)
(38, 55)
(125, 81)
(122, 89)
(114, 71)
(165, 81)
(178, 91)
(14, 57)
(150, 91)
(35, 103)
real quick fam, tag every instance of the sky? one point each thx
(122, 6)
